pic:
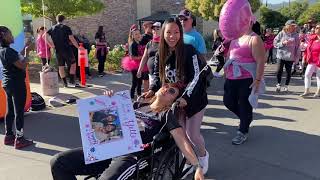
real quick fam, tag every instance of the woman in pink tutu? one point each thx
(131, 63)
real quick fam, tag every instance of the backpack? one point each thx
(37, 102)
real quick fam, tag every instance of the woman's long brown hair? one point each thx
(164, 52)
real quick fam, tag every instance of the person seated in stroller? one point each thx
(152, 115)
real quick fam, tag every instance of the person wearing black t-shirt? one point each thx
(13, 82)
(151, 115)
(176, 61)
(147, 36)
(101, 50)
(61, 36)
(131, 63)
(150, 51)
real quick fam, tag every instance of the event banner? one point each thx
(108, 127)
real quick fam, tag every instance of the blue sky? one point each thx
(275, 1)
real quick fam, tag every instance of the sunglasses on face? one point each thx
(172, 91)
(183, 19)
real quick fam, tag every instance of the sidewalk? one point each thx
(283, 144)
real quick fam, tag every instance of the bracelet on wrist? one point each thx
(258, 80)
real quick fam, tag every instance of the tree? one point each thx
(270, 18)
(294, 10)
(70, 8)
(313, 12)
(210, 9)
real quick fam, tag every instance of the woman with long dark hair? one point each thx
(101, 50)
(177, 61)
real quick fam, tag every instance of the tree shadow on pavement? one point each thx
(269, 153)
(224, 113)
(52, 129)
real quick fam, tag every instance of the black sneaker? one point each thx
(240, 138)
(22, 142)
(9, 139)
(65, 83)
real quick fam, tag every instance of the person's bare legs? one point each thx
(72, 72)
(62, 74)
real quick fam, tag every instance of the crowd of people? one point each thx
(168, 61)
(293, 48)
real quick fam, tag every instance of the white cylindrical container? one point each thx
(49, 83)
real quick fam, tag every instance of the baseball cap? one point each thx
(133, 27)
(147, 23)
(185, 13)
(290, 22)
(156, 24)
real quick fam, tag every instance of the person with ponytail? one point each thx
(131, 63)
(43, 47)
(150, 52)
(13, 82)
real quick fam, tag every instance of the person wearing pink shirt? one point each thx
(244, 71)
(43, 48)
(312, 57)
(268, 44)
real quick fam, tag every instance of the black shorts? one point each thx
(145, 76)
(66, 57)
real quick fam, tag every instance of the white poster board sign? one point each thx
(108, 127)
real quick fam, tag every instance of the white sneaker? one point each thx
(278, 87)
(186, 166)
(216, 74)
(204, 162)
(286, 89)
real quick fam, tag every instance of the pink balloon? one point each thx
(235, 18)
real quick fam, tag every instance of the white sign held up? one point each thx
(108, 127)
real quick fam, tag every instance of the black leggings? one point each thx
(221, 63)
(68, 164)
(235, 98)
(270, 56)
(101, 60)
(288, 66)
(44, 61)
(135, 84)
(16, 100)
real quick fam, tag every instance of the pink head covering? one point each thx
(238, 15)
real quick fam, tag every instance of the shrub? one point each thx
(114, 58)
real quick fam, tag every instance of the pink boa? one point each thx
(130, 64)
